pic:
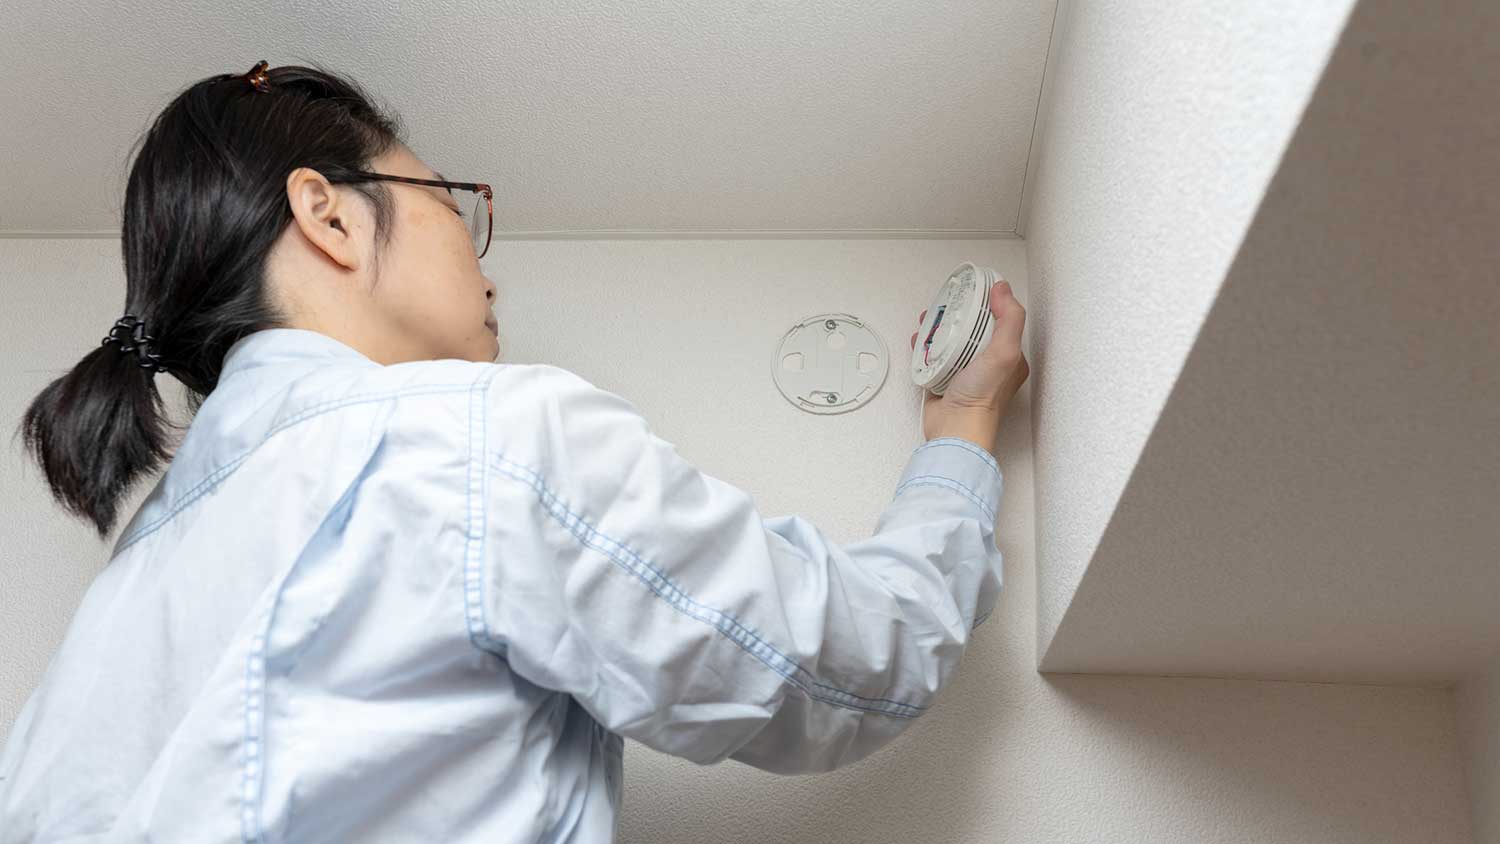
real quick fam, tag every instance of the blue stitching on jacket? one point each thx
(474, 522)
(253, 764)
(960, 442)
(252, 771)
(250, 764)
(224, 471)
(723, 622)
(948, 483)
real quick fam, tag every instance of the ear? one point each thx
(327, 218)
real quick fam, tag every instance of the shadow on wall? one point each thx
(1098, 759)
(1293, 761)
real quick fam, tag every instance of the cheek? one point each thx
(437, 260)
(438, 234)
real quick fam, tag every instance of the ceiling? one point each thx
(592, 119)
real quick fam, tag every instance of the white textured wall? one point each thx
(1161, 125)
(1478, 700)
(61, 297)
(1316, 500)
(1008, 754)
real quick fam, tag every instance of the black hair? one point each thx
(205, 203)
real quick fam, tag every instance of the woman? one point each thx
(388, 589)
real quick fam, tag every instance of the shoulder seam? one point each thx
(213, 478)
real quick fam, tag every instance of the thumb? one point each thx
(1010, 317)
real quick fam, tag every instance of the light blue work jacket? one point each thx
(428, 601)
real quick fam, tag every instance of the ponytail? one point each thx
(95, 430)
(204, 205)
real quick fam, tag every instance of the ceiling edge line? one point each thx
(1036, 119)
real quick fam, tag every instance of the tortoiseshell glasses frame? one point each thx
(481, 246)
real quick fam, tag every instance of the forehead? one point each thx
(401, 161)
(404, 162)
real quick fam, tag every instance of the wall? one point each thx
(1479, 732)
(1161, 126)
(1316, 498)
(1008, 754)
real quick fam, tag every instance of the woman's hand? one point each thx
(975, 400)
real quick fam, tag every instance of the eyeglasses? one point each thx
(480, 219)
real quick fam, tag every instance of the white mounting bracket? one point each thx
(830, 363)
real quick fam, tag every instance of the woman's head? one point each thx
(418, 294)
(242, 212)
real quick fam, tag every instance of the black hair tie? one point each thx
(129, 332)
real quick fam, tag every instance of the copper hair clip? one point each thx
(257, 77)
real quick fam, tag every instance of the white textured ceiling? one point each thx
(590, 118)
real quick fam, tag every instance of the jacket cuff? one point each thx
(957, 464)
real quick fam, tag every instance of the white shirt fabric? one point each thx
(428, 601)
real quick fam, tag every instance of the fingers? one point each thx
(1010, 317)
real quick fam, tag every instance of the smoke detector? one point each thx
(956, 329)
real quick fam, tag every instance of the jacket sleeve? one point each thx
(606, 566)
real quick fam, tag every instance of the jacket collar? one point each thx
(240, 410)
(286, 345)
